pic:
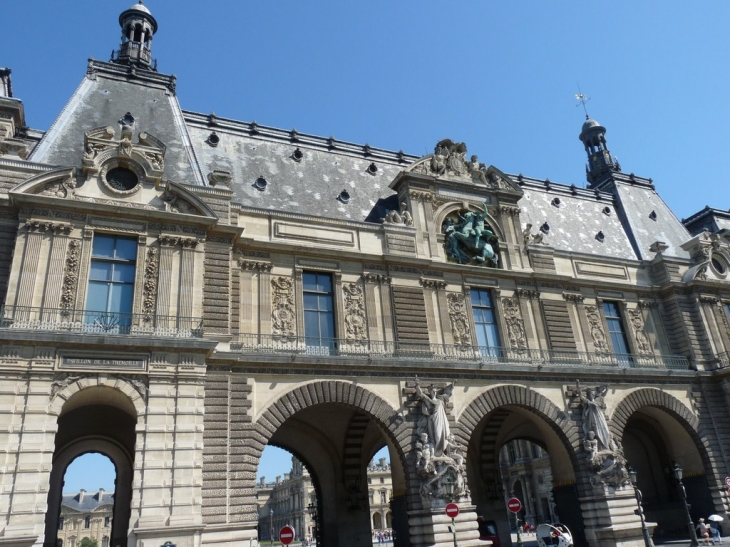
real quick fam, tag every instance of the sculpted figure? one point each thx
(433, 407)
(593, 418)
(590, 445)
(407, 218)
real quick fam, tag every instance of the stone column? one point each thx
(187, 272)
(386, 304)
(86, 249)
(56, 266)
(164, 284)
(371, 307)
(29, 268)
(264, 298)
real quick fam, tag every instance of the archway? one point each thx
(656, 432)
(83, 427)
(518, 445)
(336, 437)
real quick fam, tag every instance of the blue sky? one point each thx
(500, 76)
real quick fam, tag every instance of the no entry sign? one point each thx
(452, 510)
(286, 535)
(514, 505)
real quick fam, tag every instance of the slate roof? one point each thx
(314, 182)
(311, 184)
(106, 94)
(90, 501)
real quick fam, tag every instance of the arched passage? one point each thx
(335, 428)
(516, 413)
(85, 415)
(657, 431)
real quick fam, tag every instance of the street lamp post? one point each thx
(312, 510)
(271, 525)
(640, 510)
(690, 525)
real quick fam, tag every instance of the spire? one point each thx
(600, 161)
(138, 27)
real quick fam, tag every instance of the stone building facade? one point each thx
(210, 286)
(292, 500)
(85, 515)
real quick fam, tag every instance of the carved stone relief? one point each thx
(459, 320)
(604, 453)
(282, 303)
(48, 226)
(642, 340)
(355, 322)
(440, 461)
(70, 277)
(515, 324)
(176, 204)
(596, 327)
(149, 289)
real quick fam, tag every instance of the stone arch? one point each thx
(517, 395)
(393, 426)
(653, 397)
(482, 426)
(67, 385)
(84, 406)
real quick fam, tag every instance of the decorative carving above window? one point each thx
(104, 154)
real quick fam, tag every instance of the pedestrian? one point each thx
(703, 531)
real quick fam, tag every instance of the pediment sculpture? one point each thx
(449, 161)
(468, 239)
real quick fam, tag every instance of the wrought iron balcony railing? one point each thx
(471, 356)
(95, 322)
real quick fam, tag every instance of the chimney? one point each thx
(101, 493)
(82, 492)
(262, 481)
(278, 479)
(381, 461)
(286, 477)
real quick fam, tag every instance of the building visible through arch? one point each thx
(181, 289)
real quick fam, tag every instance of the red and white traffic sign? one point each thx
(514, 505)
(727, 482)
(452, 510)
(286, 535)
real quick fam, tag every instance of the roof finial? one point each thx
(582, 99)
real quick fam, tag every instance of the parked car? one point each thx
(488, 531)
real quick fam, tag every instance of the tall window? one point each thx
(87, 522)
(319, 314)
(111, 281)
(60, 523)
(616, 331)
(484, 321)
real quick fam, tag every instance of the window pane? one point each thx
(100, 271)
(98, 294)
(311, 324)
(126, 249)
(325, 303)
(327, 325)
(123, 273)
(103, 246)
(324, 283)
(309, 281)
(310, 301)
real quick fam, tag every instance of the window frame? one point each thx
(325, 345)
(123, 318)
(492, 352)
(624, 358)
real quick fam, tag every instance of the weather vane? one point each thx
(582, 99)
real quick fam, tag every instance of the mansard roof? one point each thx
(106, 94)
(89, 502)
(312, 183)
